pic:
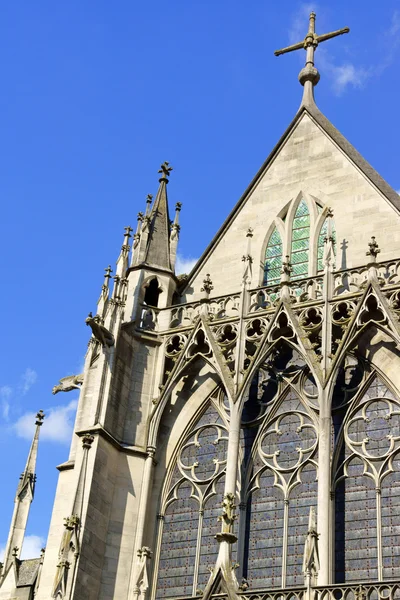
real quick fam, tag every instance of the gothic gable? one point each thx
(315, 162)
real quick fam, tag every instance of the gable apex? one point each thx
(314, 114)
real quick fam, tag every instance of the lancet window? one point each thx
(280, 443)
(367, 487)
(299, 235)
(188, 519)
(273, 259)
(300, 241)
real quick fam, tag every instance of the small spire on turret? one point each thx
(105, 290)
(123, 258)
(174, 236)
(23, 498)
(149, 200)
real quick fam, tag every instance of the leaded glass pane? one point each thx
(300, 241)
(302, 498)
(355, 531)
(273, 259)
(201, 459)
(211, 526)
(321, 242)
(178, 548)
(370, 491)
(266, 510)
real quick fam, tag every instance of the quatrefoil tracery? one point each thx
(204, 455)
(373, 432)
(289, 440)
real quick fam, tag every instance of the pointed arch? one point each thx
(191, 497)
(273, 258)
(366, 482)
(300, 246)
(280, 489)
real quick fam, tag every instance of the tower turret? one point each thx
(23, 498)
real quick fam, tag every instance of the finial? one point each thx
(128, 230)
(373, 249)
(15, 551)
(149, 199)
(207, 284)
(39, 418)
(287, 267)
(165, 171)
(309, 76)
(178, 206)
(107, 276)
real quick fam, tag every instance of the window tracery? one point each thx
(189, 518)
(367, 485)
(298, 234)
(279, 446)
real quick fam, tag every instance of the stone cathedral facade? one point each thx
(238, 429)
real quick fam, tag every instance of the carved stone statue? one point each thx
(100, 332)
(66, 384)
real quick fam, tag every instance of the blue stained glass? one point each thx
(321, 242)
(273, 259)
(300, 241)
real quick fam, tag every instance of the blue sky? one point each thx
(95, 95)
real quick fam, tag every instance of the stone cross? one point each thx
(165, 170)
(310, 42)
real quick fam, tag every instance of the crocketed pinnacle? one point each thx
(158, 250)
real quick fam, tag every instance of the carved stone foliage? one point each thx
(191, 506)
(367, 484)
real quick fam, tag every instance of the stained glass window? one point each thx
(273, 259)
(368, 489)
(300, 241)
(278, 511)
(321, 242)
(193, 503)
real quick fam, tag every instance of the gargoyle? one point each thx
(66, 384)
(100, 332)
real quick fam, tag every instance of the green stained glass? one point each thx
(300, 241)
(273, 259)
(321, 242)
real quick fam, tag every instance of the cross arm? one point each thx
(328, 36)
(289, 49)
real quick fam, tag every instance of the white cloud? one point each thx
(5, 393)
(184, 264)
(395, 24)
(28, 379)
(31, 547)
(347, 74)
(57, 426)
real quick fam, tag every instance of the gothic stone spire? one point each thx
(22, 502)
(158, 251)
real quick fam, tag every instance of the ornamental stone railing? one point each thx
(346, 283)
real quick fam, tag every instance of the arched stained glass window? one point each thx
(300, 241)
(368, 488)
(321, 242)
(273, 259)
(189, 521)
